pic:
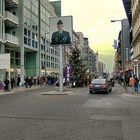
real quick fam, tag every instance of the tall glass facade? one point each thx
(49, 56)
(1, 20)
(52, 54)
(29, 32)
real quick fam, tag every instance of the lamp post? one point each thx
(122, 51)
(122, 44)
(116, 20)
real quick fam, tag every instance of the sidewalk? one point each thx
(56, 91)
(21, 89)
(127, 90)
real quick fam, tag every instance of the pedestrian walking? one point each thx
(26, 82)
(136, 84)
(18, 81)
(6, 82)
(12, 83)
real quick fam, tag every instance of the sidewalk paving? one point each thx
(128, 90)
(21, 89)
(56, 91)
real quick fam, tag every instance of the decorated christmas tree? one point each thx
(79, 70)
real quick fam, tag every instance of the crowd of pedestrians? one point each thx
(28, 82)
(129, 81)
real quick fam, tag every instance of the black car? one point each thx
(100, 85)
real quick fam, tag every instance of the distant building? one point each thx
(135, 7)
(123, 57)
(89, 57)
(100, 68)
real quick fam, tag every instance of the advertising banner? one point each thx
(68, 73)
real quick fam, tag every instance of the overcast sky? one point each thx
(92, 17)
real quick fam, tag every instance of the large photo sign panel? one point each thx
(61, 30)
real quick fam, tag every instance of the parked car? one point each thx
(100, 85)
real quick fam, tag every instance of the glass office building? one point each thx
(27, 37)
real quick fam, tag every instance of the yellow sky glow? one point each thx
(92, 17)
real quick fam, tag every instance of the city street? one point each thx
(43, 114)
(45, 44)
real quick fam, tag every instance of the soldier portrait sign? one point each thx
(61, 29)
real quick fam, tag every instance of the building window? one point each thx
(12, 61)
(34, 40)
(27, 37)
(25, 40)
(17, 62)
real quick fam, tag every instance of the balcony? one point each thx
(10, 19)
(11, 40)
(11, 3)
(1, 38)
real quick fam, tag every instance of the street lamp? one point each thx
(122, 50)
(116, 20)
(122, 43)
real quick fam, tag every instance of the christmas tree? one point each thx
(79, 70)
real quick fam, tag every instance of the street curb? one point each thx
(22, 90)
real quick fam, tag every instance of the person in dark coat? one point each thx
(60, 36)
(136, 84)
(12, 83)
(18, 80)
(6, 82)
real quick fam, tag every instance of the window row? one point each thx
(13, 53)
(52, 65)
(32, 5)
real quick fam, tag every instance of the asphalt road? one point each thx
(76, 115)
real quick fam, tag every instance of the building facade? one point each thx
(125, 44)
(136, 35)
(2, 19)
(24, 33)
(100, 69)
(89, 57)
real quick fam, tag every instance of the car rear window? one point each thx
(98, 81)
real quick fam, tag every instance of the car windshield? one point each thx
(98, 81)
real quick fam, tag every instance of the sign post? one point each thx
(61, 68)
(61, 34)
